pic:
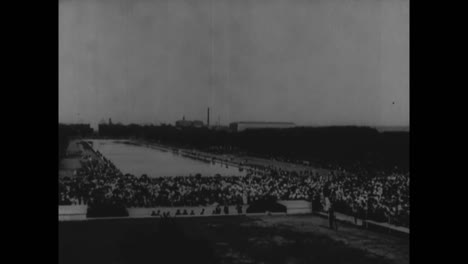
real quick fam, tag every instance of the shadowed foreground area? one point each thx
(201, 240)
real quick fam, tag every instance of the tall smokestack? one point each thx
(208, 118)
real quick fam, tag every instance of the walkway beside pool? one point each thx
(78, 213)
(359, 222)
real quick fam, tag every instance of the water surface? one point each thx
(138, 160)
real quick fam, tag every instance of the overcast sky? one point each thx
(312, 62)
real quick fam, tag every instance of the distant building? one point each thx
(221, 128)
(197, 123)
(187, 123)
(183, 123)
(241, 126)
(82, 130)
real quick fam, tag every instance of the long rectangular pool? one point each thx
(139, 160)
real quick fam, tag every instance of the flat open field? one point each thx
(239, 239)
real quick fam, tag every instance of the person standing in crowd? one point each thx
(327, 208)
(354, 211)
(316, 205)
(244, 197)
(331, 213)
(239, 209)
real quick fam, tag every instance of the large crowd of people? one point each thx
(377, 197)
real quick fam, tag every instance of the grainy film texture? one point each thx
(234, 131)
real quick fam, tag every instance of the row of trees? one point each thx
(343, 146)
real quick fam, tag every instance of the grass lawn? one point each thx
(200, 240)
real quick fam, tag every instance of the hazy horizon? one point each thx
(320, 63)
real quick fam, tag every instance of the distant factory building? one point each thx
(241, 126)
(187, 123)
(221, 128)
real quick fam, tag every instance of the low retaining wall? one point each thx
(72, 212)
(78, 212)
(143, 212)
(297, 207)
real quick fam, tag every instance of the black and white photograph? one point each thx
(234, 131)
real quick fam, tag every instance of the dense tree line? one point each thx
(340, 146)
